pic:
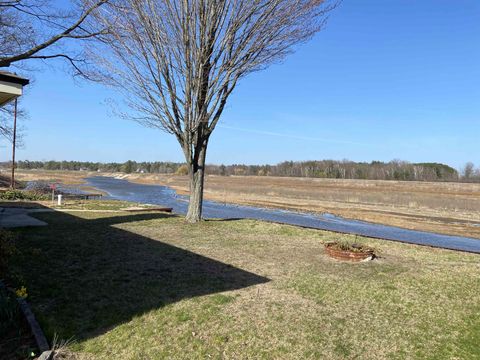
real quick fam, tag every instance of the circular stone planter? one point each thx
(360, 253)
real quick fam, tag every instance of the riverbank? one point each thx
(151, 286)
(444, 208)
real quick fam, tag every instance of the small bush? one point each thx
(11, 195)
(182, 170)
(40, 187)
(23, 195)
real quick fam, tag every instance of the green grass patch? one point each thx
(151, 286)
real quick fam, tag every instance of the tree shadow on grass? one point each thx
(86, 276)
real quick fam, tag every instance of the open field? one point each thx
(449, 208)
(66, 177)
(150, 286)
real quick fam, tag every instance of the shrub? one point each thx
(41, 187)
(182, 170)
(23, 195)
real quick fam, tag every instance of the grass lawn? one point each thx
(149, 286)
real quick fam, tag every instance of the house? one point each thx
(11, 86)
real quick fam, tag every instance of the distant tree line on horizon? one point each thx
(332, 169)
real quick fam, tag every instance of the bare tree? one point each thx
(468, 171)
(34, 29)
(177, 61)
(6, 123)
(6, 126)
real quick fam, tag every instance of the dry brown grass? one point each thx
(65, 177)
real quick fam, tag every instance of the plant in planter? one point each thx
(344, 250)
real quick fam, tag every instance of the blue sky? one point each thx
(386, 79)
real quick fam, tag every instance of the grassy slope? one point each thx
(150, 286)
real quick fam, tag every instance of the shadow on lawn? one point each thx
(87, 276)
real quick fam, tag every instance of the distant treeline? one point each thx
(345, 169)
(376, 170)
(126, 167)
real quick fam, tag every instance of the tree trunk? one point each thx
(196, 172)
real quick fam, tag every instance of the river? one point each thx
(162, 195)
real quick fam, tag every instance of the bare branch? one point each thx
(19, 39)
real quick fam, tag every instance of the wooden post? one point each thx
(14, 144)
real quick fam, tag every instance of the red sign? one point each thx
(53, 186)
